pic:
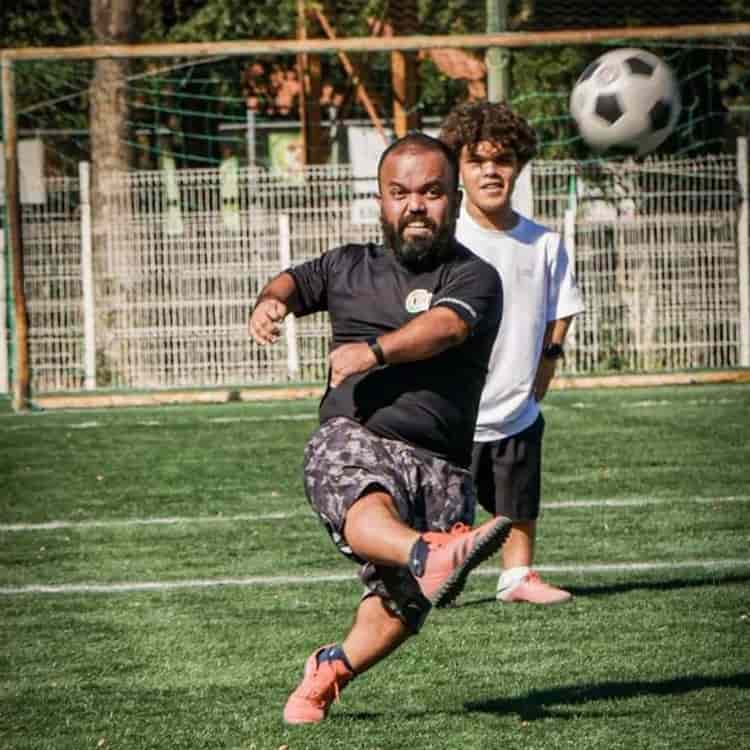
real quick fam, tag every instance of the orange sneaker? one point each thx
(532, 589)
(320, 686)
(454, 554)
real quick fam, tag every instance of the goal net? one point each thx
(159, 192)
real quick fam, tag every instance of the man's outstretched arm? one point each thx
(278, 297)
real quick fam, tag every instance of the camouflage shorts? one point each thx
(344, 461)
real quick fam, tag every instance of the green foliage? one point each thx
(740, 9)
(227, 20)
(48, 23)
(44, 23)
(437, 91)
(541, 81)
(452, 17)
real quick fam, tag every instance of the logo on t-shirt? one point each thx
(418, 301)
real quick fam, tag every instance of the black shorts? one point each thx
(344, 462)
(508, 473)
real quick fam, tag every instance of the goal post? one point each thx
(21, 387)
(743, 249)
(509, 40)
(179, 219)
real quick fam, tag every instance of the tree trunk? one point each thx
(113, 23)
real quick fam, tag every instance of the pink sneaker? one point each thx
(454, 554)
(531, 588)
(320, 687)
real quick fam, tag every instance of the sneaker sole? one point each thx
(505, 596)
(486, 547)
(553, 603)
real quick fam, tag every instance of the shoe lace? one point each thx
(440, 538)
(336, 691)
(533, 577)
(321, 686)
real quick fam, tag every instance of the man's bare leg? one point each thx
(518, 550)
(375, 531)
(375, 633)
(518, 581)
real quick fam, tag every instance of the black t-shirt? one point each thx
(431, 404)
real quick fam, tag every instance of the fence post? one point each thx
(743, 247)
(569, 241)
(4, 383)
(250, 137)
(290, 322)
(87, 280)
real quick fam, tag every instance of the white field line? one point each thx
(38, 419)
(270, 418)
(203, 583)
(626, 502)
(650, 403)
(166, 521)
(93, 424)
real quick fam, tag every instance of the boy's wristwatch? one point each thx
(553, 350)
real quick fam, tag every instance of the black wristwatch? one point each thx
(553, 350)
(376, 349)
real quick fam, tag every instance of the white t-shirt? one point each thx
(538, 286)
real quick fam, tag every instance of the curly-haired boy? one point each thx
(541, 298)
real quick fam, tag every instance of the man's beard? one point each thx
(419, 253)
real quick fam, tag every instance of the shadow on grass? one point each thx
(609, 589)
(535, 705)
(677, 583)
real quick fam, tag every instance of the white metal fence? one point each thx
(161, 299)
(52, 244)
(661, 254)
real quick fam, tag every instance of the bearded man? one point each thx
(387, 471)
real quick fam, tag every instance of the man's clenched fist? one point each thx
(265, 322)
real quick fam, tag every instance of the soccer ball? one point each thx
(627, 99)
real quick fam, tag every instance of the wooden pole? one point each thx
(353, 73)
(4, 382)
(302, 67)
(404, 83)
(312, 86)
(309, 95)
(404, 20)
(21, 376)
(380, 44)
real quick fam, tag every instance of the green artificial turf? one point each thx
(643, 657)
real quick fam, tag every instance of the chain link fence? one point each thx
(175, 265)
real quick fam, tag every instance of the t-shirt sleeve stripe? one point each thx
(453, 301)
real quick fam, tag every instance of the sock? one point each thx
(418, 557)
(332, 654)
(512, 576)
